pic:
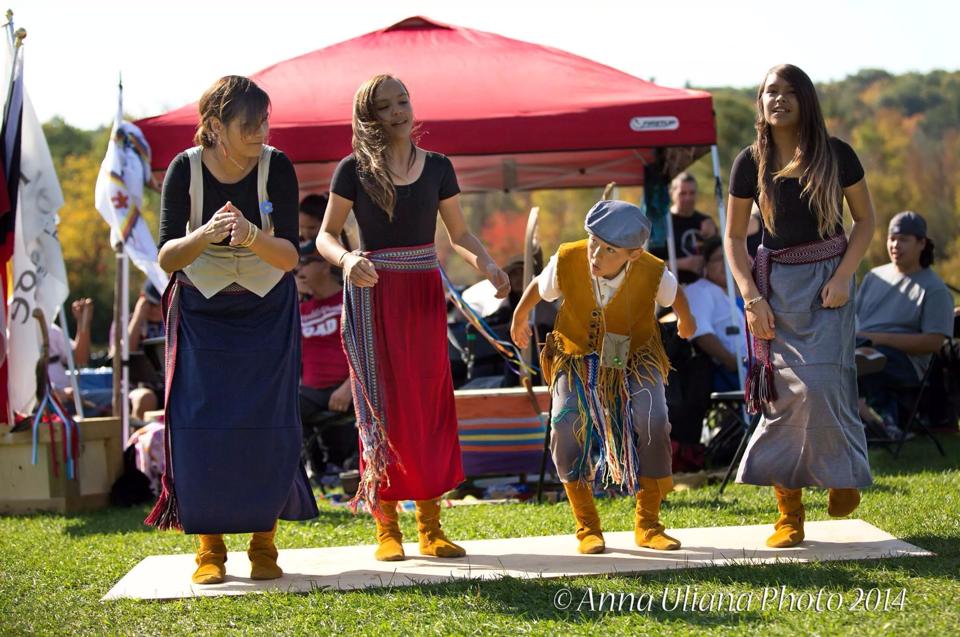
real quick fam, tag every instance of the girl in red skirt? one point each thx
(394, 327)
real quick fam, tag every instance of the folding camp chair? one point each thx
(914, 421)
(732, 403)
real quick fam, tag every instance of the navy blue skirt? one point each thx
(233, 411)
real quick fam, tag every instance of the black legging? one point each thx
(339, 439)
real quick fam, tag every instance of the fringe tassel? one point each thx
(378, 454)
(760, 388)
(606, 434)
(166, 512)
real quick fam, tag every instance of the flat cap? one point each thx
(618, 223)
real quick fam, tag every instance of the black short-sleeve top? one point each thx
(415, 214)
(282, 191)
(795, 221)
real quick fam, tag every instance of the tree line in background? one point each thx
(905, 129)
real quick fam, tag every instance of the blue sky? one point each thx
(170, 51)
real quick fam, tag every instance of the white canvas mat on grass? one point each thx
(353, 567)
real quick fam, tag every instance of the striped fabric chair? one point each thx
(499, 432)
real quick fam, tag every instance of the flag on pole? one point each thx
(11, 71)
(11, 76)
(119, 198)
(39, 274)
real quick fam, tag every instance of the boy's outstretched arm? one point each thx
(686, 324)
(520, 325)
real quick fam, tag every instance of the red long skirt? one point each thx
(414, 369)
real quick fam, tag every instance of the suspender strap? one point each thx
(196, 189)
(263, 173)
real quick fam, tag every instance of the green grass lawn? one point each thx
(54, 569)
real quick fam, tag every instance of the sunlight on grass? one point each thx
(54, 569)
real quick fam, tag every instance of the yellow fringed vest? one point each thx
(579, 329)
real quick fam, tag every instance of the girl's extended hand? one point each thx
(499, 279)
(360, 271)
(836, 292)
(760, 320)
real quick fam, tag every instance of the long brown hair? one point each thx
(814, 156)
(230, 97)
(370, 143)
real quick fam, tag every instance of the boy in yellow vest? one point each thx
(606, 367)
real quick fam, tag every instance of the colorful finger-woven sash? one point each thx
(359, 341)
(165, 514)
(760, 388)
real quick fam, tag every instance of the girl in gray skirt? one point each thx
(798, 299)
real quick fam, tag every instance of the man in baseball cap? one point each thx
(905, 310)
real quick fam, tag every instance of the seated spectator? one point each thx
(688, 395)
(498, 313)
(905, 311)
(147, 318)
(707, 364)
(146, 321)
(312, 208)
(149, 458)
(482, 296)
(690, 228)
(717, 335)
(325, 377)
(82, 310)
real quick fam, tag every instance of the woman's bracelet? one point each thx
(749, 304)
(342, 256)
(250, 238)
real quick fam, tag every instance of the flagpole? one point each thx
(124, 320)
(125, 306)
(121, 293)
(735, 315)
(16, 44)
(6, 107)
(117, 330)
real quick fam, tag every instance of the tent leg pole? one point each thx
(731, 291)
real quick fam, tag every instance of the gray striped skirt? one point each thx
(812, 434)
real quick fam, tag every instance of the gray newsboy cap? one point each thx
(618, 223)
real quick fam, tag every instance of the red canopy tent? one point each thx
(510, 114)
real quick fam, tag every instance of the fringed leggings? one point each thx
(651, 428)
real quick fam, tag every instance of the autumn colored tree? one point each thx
(84, 235)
